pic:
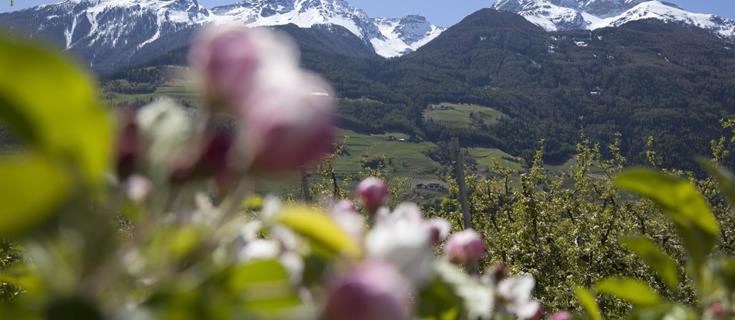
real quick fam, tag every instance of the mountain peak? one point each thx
(389, 37)
(559, 15)
(108, 33)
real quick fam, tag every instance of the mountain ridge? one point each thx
(562, 15)
(108, 34)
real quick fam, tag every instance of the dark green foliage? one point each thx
(646, 78)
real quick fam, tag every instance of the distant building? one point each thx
(434, 186)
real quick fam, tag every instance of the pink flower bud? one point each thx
(128, 148)
(439, 229)
(372, 192)
(716, 310)
(212, 160)
(227, 60)
(465, 247)
(138, 188)
(374, 291)
(344, 206)
(290, 125)
(563, 315)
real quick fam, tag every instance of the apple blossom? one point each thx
(517, 293)
(403, 240)
(439, 229)
(372, 193)
(465, 247)
(372, 291)
(227, 59)
(289, 125)
(563, 315)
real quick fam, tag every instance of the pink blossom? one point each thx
(439, 229)
(372, 192)
(517, 291)
(211, 161)
(289, 125)
(227, 59)
(373, 291)
(465, 247)
(344, 206)
(563, 315)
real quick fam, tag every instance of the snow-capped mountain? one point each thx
(107, 33)
(110, 33)
(399, 36)
(560, 15)
(389, 37)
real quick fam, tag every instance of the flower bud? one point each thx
(439, 229)
(138, 188)
(465, 247)
(227, 59)
(344, 206)
(128, 148)
(289, 126)
(562, 315)
(372, 193)
(374, 291)
(212, 161)
(716, 310)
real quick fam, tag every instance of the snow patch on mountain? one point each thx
(400, 36)
(560, 15)
(389, 37)
(142, 23)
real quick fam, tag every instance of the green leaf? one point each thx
(662, 311)
(632, 290)
(684, 205)
(659, 261)
(32, 188)
(318, 228)
(438, 300)
(52, 106)
(264, 286)
(588, 302)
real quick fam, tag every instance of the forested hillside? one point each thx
(647, 78)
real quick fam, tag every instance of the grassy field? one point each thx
(459, 115)
(406, 159)
(486, 156)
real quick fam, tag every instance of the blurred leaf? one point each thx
(659, 261)
(724, 272)
(587, 300)
(264, 286)
(684, 205)
(52, 106)
(318, 228)
(31, 189)
(438, 301)
(20, 274)
(662, 311)
(724, 178)
(631, 290)
(73, 308)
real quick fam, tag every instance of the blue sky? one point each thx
(442, 12)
